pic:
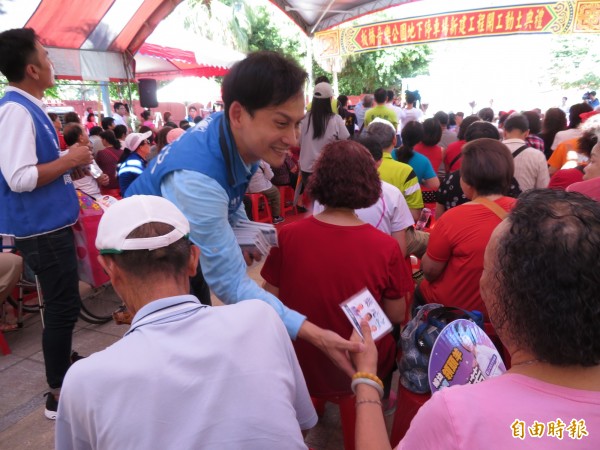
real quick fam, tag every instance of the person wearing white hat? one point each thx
(185, 375)
(319, 127)
(134, 159)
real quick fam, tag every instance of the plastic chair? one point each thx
(346, 403)
(286, 196)
(4, 345)
(266, 216)
(408, 404)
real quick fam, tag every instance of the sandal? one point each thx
(8, 327)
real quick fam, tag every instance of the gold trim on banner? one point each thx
(553, 17)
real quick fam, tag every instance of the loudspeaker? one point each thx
(147, 88)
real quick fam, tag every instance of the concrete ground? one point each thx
(22, 385)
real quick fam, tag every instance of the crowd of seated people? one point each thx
(369, 185)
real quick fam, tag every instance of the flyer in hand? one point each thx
(463, 354)
(364, 306)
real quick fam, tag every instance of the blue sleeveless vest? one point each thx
(207, 148)
(47, 208)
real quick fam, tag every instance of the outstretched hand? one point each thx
(366, 360)
(332, 344)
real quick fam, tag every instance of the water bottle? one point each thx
(95, 170)
(423, 218)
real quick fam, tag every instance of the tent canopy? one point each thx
(89, 41)
(155, 61)
(318, 15)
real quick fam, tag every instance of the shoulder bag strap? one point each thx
(496, 209)
(456, 158)
(518, 151)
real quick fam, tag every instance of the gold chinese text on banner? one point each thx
(557, 17)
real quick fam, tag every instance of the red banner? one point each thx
(554, 17)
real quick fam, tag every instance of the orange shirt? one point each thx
(559, 156)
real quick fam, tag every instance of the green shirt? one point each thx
(382, 112)
(404, 178)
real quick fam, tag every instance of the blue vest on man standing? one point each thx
(46, 208)
(207, 148)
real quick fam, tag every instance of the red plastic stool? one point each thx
(266, 216)
(407, 407)
(4, 345)
(347, 415)
(286, 196)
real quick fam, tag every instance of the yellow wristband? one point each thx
(369, 376)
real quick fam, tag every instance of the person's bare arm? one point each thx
(77, 156)
(432, 269)
(370, 424)
(400, 237)
(395, 309)
(432, 183)
(416, 213)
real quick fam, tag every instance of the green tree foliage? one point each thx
(574, 62)
(366, 72)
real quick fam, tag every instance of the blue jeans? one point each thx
(53, 259)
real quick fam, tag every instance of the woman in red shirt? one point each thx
(323, 260)
(454, 260)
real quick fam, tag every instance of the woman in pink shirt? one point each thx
(540, 284)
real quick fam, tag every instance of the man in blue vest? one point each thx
(205, 173)
(38, 203)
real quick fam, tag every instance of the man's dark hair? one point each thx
(170, 261)
(357, 186)
(120, 131)
(380, 95)
(72, 132)
(389, 95)
(480, 129)
(575, 111)
(117, 105)
(262, 79)
(184, 124)
(198, 119)
(322, 79)
(410, 98)
(467, 121)
(551, 307)
(371, 144)
(17, 49)
(95, 131)
(53, 116)
(412, 134)
(146, 114)
(71, 117)
(109, 136)
(442, 117)
(486, 114)
(342, 101)
(516, 122)
(535, 121)
(171, 124)
(487, 166)
(107, 122)
(432, 132)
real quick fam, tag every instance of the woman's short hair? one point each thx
(432, 132)
(465, 124)
(480, 129)
(487, 166)
(547, 277)
(345, 176)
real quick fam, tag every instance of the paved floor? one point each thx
(22, 385)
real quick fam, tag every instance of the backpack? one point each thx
(417, 339)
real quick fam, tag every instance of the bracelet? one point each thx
(370, 376)
(360, 402)
(368, 381)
